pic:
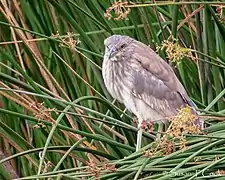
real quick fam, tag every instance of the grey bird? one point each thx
(136, 76)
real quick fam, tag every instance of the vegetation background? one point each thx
(57, 120)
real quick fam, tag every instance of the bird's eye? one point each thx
(123, 46)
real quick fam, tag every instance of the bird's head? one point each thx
(118, 47)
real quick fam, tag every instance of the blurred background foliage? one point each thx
(56, 118)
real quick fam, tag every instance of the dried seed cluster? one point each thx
(220, 13)
(181, 124)
(43, 113)
(67, 40)
(96, 170)
(120, 9)
(175, 51)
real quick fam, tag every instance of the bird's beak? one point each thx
(112, 52)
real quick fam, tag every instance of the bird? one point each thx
(140, 79)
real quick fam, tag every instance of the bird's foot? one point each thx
(147, 126)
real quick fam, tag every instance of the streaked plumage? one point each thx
(136, 76)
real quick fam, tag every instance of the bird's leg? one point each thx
(160, 130)
(139, 135)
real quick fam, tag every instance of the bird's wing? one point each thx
(157, 85)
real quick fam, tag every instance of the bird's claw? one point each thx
(147, 126)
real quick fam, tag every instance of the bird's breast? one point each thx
(118, 79)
